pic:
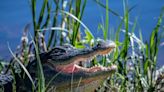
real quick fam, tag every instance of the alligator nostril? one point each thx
(80, 63)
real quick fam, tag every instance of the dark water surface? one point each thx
(14, 15)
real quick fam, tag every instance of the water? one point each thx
(15, 15)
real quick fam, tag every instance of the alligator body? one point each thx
(72, 69)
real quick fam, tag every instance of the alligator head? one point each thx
(64, 62)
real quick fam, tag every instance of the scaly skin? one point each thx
(63, 61)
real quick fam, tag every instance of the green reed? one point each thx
(143, 69)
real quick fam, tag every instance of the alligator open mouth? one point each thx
(63, 63)
(75, 65)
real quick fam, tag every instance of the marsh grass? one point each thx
(61, 19)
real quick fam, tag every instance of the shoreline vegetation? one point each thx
(58, 22)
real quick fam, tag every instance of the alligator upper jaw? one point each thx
(74, 67)
(67, 60)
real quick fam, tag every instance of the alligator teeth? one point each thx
(105, 54)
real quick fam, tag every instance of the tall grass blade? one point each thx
(110, 10)
(33, 5)
(50, 39)
(74, 17)
(48, 16)
(60, 29)
(42, 13)
(41, 79)
(78, 14)
(23, 67)
(107, 21)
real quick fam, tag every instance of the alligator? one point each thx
(73, 69)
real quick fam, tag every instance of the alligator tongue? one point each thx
(74, 68)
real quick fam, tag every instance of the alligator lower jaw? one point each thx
(83, 81)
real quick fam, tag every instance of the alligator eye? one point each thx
(57, 51)
(99, 45)
(68, 47)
